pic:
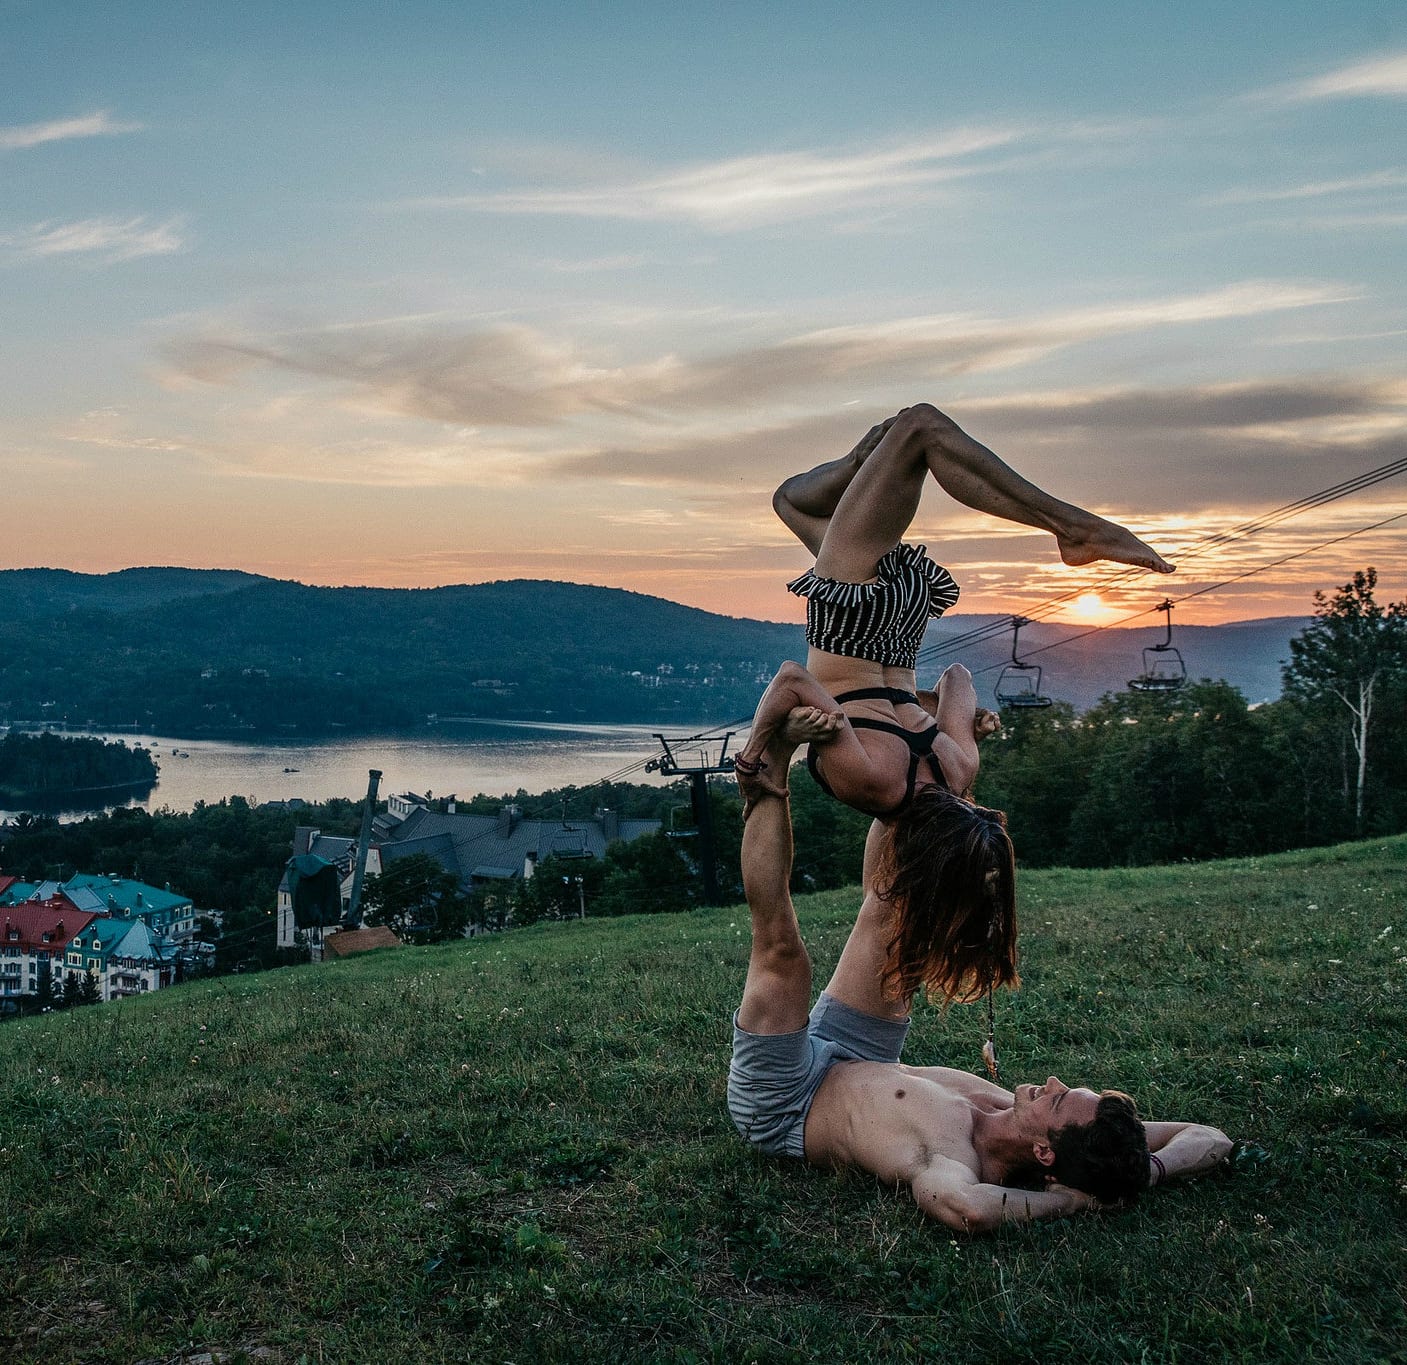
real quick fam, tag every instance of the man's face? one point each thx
(1045, 1109)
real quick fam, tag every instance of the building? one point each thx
(122, 955)
(166, 913)
(481, 850)
(34, 938)
(334, 849)
(128, 936)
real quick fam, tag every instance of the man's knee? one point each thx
(782, 956)
(955, 674)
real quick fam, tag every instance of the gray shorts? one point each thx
(774, 1076)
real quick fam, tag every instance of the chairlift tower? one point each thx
(670, 764)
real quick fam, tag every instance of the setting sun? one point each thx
(1088, 606)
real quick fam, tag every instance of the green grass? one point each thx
(516, 1148)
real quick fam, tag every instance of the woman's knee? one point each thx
(955, 674)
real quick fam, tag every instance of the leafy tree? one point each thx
(1180, 775)
(417, 898)
(1036, 770)
(649, 875)
(1348, 655)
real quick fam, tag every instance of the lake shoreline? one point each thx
(487, 757)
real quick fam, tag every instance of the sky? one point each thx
(430, 293)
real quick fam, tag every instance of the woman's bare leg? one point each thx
(882, 496)
(805, 502)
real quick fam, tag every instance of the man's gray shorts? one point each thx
(774, 1076)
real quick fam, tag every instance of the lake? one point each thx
(463, 759)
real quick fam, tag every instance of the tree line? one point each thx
(1139, 778)
(1197, 773)
(51, 765)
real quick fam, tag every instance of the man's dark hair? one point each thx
(1107, 1157)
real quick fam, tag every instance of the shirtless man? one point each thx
(835, 1093)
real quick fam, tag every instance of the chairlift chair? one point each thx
(1163, 668)
(1019, 684)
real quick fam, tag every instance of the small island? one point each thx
(46, 767)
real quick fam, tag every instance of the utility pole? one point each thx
(669, 765)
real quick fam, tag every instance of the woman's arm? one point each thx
(869, 773)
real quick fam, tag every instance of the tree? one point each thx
(1347, 654)
(419, 899)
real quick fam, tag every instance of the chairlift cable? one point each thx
(1210, 542)
(1213, 587)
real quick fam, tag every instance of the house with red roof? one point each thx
(34, 939)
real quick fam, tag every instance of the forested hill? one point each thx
(190, 652)
(43, 594)
(277, 656)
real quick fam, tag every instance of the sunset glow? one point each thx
(362, 302)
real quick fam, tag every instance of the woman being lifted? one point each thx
(907, 757)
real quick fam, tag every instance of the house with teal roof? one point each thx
(165, 912)
(138, 962)
(123, 956)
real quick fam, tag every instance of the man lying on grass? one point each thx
(833, 1091)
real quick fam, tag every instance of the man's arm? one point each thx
(1183, 1150)
(947, 1191)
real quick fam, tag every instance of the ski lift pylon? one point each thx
(1019, 684)
(1163, 669)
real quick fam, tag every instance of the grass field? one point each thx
(516, 1149)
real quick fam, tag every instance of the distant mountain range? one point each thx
(190, 652)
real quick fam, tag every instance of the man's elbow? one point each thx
(963, 1213)
(1218, 1146)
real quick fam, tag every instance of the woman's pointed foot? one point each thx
(1100, 539)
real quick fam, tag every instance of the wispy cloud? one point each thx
(1315, 189)
(517, 376)
(99, 124)
(1200, 407)
(752, 190)
(110, 239)
(1189, 444)
(1384, 76)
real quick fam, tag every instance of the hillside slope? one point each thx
(516, 1147)
(187, 652)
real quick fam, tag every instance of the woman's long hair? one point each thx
(949, 872)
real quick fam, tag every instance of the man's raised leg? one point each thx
(777, 995)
